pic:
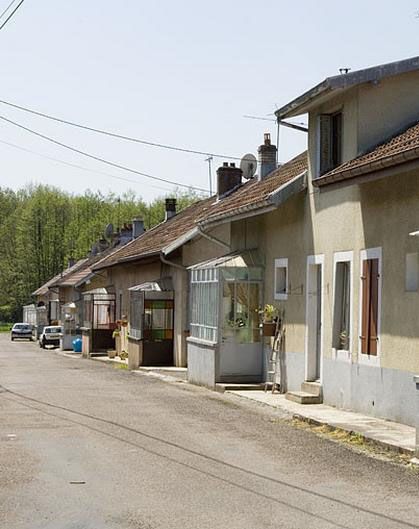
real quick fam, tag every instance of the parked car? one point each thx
(22, 331)
(50, 336)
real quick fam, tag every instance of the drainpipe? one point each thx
(170, 263)
(184, 269)
(213, 239)
(416, 381)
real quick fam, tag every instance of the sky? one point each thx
(180, 73)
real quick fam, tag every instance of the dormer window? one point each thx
(330, 142)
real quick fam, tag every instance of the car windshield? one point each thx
(53, 329)
(21, 326)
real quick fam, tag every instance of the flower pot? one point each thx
(269, 328)
(111, 353)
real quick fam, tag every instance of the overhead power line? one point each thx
(7, 9)
(76, 166)
(116, 135)
(11, 14)
(100, 159)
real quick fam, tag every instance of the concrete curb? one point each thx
(373, 442)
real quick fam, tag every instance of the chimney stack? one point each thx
(137, 227)
(229, 178)
(71, 262)
(170, 208)
(267, 157)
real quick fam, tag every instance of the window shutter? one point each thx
(369, 325)
(373, 316)
(365, 332)
(325, 143)
(336, 135)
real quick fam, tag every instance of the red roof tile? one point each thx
(253, 193)
(401, 148)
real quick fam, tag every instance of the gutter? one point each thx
(274, 199)
(170, 263)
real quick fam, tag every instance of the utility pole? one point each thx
(209, 160)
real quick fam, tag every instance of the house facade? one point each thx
(149, 277)
(338, 258)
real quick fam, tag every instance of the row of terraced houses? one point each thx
(329, 238)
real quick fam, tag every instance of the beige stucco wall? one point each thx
(353, 218)
(122, 277)
(372, 113)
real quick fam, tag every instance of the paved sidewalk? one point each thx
(391, 435)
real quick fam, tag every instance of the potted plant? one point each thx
(269, 316)
(344, 340)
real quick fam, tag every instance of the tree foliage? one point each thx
(41, 227)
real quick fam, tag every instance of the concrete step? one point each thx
(238, 387)
(302, 397)
(314, 388)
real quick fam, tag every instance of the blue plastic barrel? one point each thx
(77, 345)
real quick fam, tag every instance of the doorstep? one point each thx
(391, 435)
(107, 360)
(221, 388)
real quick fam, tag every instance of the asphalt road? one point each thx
(87, 446)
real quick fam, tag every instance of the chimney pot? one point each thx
(137, 227)
(170, 208)
(228, 179)
(267, 157)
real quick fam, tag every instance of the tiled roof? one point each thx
(253, 193)
(43, 289)
(257, 193)
(401, 148)
(155, 239)
(75, 277)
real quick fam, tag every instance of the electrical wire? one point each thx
(99, 159)
(116, 135)
(11, 14)
(76, 166)
(7, 9)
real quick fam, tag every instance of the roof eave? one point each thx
(180, 241)
(304, 102)
(270, 203)
(391, 162)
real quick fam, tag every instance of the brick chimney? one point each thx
(137, 227)
(170, 208)
(267, 157)
(229, 178)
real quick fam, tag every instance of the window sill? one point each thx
(200, 341)
(281, 297)
(134, 339)
(342, 355)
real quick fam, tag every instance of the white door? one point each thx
(314, 318)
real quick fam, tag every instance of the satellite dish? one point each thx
(109, 231)
(248, 164)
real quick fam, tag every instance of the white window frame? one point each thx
(410, 290)
(344, 257)
(314, 260)
(370, 360)
(281, 263)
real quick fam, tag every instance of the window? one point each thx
(281, 279)
(342, 305)
(412, 272)
(136, 311)
(330, 141)
(241, 301)
(204, 304)
(370, 302)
